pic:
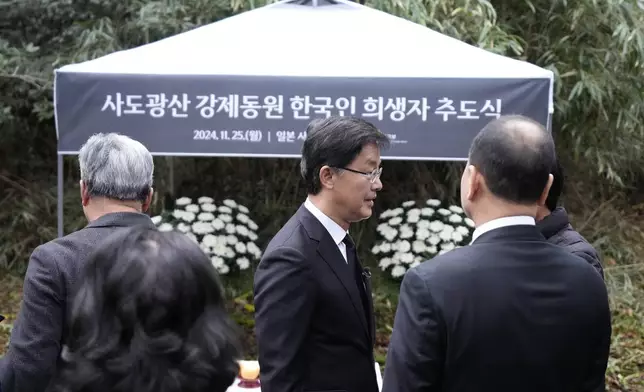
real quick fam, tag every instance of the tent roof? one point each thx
(339, 39)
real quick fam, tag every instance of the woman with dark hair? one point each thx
(149, 317)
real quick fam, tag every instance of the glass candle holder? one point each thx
(249, 374)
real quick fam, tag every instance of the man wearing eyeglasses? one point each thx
(313, 309)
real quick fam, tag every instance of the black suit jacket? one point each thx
(52, 274)
(313, 331)
(509, 313)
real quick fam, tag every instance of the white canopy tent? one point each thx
(248, 85)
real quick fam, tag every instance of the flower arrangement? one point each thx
(412, 233)
(225, 233)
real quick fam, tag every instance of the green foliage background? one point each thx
(596, 50)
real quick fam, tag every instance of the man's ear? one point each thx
(473, 182)
(327, 177)
(546, 190)
(84, 193)
(148, 201)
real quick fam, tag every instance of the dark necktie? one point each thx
(352, 261)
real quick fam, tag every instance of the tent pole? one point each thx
(60, 195)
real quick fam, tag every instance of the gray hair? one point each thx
(116, 167)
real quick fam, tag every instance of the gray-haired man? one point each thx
(116, 189)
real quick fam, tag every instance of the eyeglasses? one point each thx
(373, 176)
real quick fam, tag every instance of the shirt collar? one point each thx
(336, 231)
(502, 222)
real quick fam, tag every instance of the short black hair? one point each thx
(149, 316)
(556, 189)
(335, 141)
(515, 155)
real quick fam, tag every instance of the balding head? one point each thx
(515, 155)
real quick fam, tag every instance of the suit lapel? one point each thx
(329, 252)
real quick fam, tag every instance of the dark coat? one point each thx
(313, 331)
(508, 313)
(557, 229)
(40, 329)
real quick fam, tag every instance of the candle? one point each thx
(248, 370)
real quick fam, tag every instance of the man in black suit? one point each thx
(313, 310)
(116, 188)
(511, 312)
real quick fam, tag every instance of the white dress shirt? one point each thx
(502, 222)
(336, 231)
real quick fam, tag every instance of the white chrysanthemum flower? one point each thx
(192, 208)
(243, 263)
(418, 246)
(218, 224)
(375, 249)
(184, 228)
(445, 235)
(448, 228)
(427, 211)
(397, 211)
(407, 258)
(456, 236)
(432, 250)
(444, 212)
(252, 236)
(217, 261)
(242, 230)
(434, 239)
(240, 247)
(422, 234)
(406, 231)
(252, 248)
(230, 228)
(208, 207)
(225, 210)
(252, 225)
(447, 246)
(205, 200)
(226, 218)
(230, 203)
(242, 218)
(384, 263)
(156, 219)
(385, 247)
(206, 216)
(433, 202)
(398, 271)
(469, 222)
(403, 246)
(202, 228)
(184, 201)
(413, 211)
(456, 209)
(386, 214)
(219, 249)
(408, 203)
(455, 218)
(413, 218)
(463, 230)
(243, 209)
(188, 216)
(209, 240)
(224, 269)
(390, 234)
(436, 226)
(414, 264)
(231, 240)
(178, 214)
(205, 248)
(395, 221)
(382, 228)
(166, 227)
(423, 224)
(229, 253)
